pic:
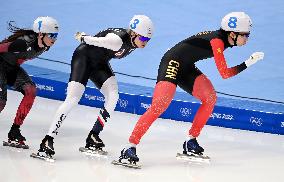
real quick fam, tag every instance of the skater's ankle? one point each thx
(49, 137)
(15, 126)
(190, 137)
(93, 132)
(130, 145)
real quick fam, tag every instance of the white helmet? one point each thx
(236, 22)
(142, 25)
(45, 25)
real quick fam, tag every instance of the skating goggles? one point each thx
(245, 34)
(52, 35)
(144, 39)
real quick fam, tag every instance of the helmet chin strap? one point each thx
(235, 39)
(133, 42)
(43, 43)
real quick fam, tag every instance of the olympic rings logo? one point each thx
(122, 103)
(185, 111)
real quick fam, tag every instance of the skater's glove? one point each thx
(80, 36)
(254, 58)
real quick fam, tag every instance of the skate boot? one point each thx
(193, 147)
(94, 146)
(193, 152)
(46, 150)
(94, 142)
(130, 155)
(15, 138)
(46, 146)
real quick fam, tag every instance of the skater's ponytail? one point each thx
(17, 32)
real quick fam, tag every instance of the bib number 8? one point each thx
(232, 22)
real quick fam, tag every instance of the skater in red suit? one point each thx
(23, 45)
(177, 68)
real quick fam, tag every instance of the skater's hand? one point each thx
(254, 58)
(80, 36)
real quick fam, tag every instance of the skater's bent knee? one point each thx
(211, 99)
(208, 98)
(113, 96)
(30, 90)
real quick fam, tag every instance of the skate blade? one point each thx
(94, 153)
(193, 158)
(45, 158)
(125, 164)
(15, 144)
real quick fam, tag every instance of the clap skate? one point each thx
(129, 155)
(15, 138)
(193, 152)
(94, 146)
(46, 150)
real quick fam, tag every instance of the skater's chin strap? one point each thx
(133, 41)
(46, 47)
(235, 39)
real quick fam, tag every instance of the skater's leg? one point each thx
(80, 71)
(162, 97)
(203, 90)
(25, 85)
(110, 91)
(105, 80)
(198, 85)
(21, 81)
(75, 91)
(74, 94)
(29, 91)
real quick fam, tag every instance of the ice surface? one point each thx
(236, 155)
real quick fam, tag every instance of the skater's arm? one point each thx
(220, 61)
(110, 41)
(4, 47)
(18, 46)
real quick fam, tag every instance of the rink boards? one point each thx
(237, 118)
